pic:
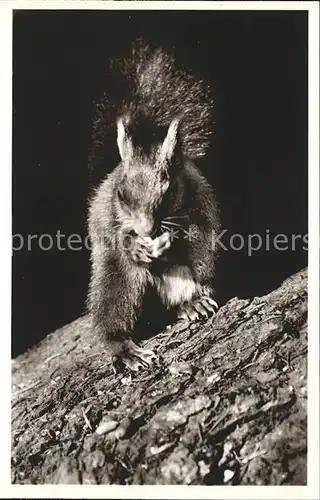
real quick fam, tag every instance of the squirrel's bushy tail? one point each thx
(149, 83)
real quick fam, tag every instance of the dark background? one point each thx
(256, 63)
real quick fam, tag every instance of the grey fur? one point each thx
(152, 190)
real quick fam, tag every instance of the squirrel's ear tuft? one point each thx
(170, 143)
(124, 140)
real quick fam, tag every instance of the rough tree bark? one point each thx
(226, 404)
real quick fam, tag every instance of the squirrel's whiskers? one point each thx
(176, 217)
(171, 224)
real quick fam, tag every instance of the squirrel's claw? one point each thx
(135, 358)
(182, 315)
(141, 254)
(134, 364)
(210, 304)
(210, 301)
(145, 354)
(202, 307)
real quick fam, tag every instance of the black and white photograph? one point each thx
(164, 278)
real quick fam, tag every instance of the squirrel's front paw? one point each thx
(146, 249)
(159, 245)
(141, 251)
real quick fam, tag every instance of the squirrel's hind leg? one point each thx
(115, 299)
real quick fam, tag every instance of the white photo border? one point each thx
(7, 490)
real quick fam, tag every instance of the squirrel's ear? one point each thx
(124, 140)
(169, 145)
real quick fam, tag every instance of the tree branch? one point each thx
(226, 403)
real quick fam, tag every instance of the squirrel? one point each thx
(152, 220)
